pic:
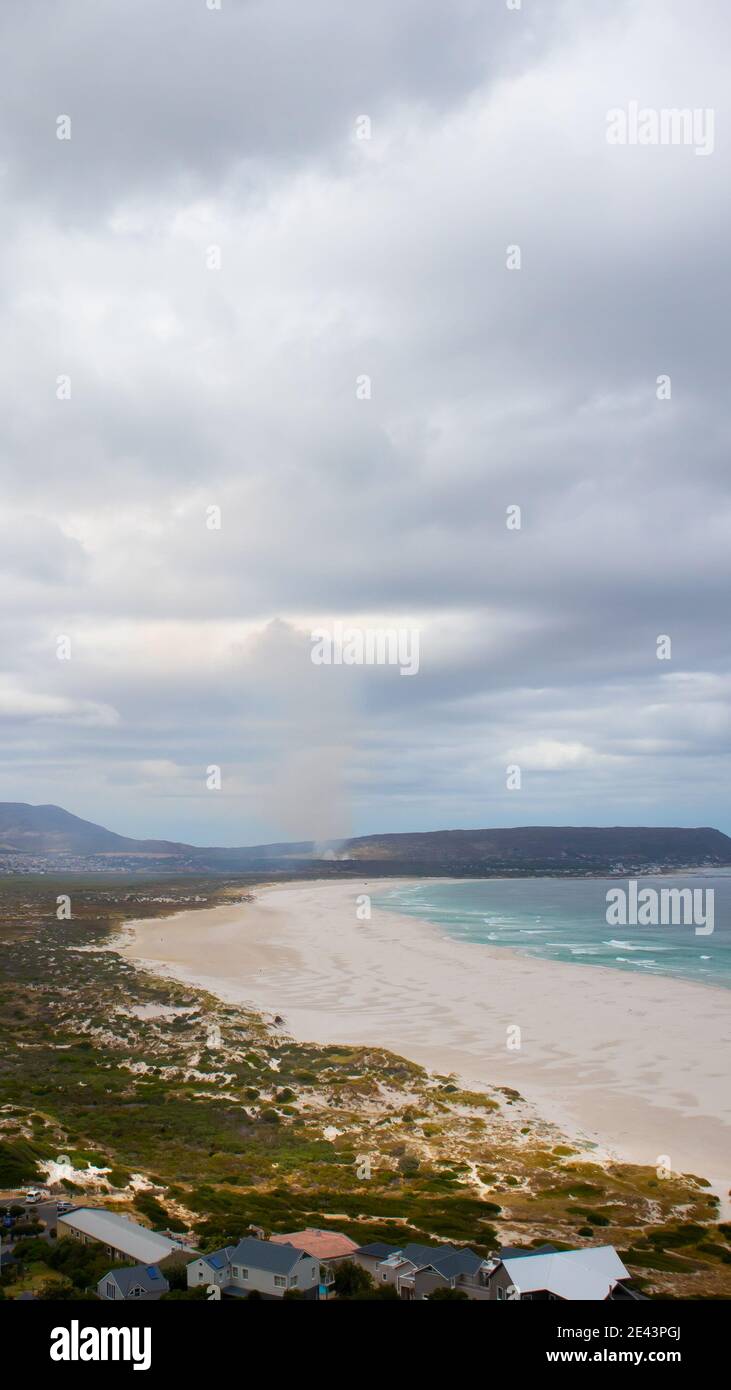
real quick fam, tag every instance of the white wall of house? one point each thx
(305, 1275)
(200, 1275)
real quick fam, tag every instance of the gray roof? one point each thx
(462, 1262)
(589, 1273)
(147, 1277)
(417, 1254)
(120, 1233)
(426, 1254)
(264, 1254)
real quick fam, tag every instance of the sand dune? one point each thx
(638, 1066)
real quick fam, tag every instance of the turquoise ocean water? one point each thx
(565, 920)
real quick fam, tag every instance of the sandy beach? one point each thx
(638, 1066)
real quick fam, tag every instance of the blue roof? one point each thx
(461, 1262)
(426, 1254)
(218, 1259)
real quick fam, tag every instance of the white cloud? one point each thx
(550, 755)
(17, 704)
(236, 388)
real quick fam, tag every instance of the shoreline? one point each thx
(634, 1066)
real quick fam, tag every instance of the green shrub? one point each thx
(189, 1295)
(408, 1165)
(150, 1207)
(690, 1233)
(18, 1164)
(594, 1218)
(351, 1280)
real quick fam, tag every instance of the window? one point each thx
(314, 1272)
(235, 1271)
(293, 1281)
(500, 1293)
(136, 1292)
(111, 1289)
(244, 1274)
(279, 1282)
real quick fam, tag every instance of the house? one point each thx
(211, 1269)
(269, 1268)
(595, 1273)
(329, 1248)
(380, 1259)
(416, 1270)
(142, 1282)
(122, 1238)
(464, 1271)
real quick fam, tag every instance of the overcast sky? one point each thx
(235, 387)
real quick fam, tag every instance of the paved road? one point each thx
(40, 1211)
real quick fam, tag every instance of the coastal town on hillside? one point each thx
(90, 1252)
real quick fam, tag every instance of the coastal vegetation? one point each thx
(194, 1115)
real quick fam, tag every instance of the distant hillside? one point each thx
(51, 830)
(29, 833)
(554, 846)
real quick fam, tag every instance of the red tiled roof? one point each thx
(322, 1245)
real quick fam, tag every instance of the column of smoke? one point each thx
(304, 796)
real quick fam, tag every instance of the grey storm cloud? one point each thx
(193, 388)
(173, 91)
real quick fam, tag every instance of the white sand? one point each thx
(637, 1065)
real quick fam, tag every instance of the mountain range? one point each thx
(48, 833)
